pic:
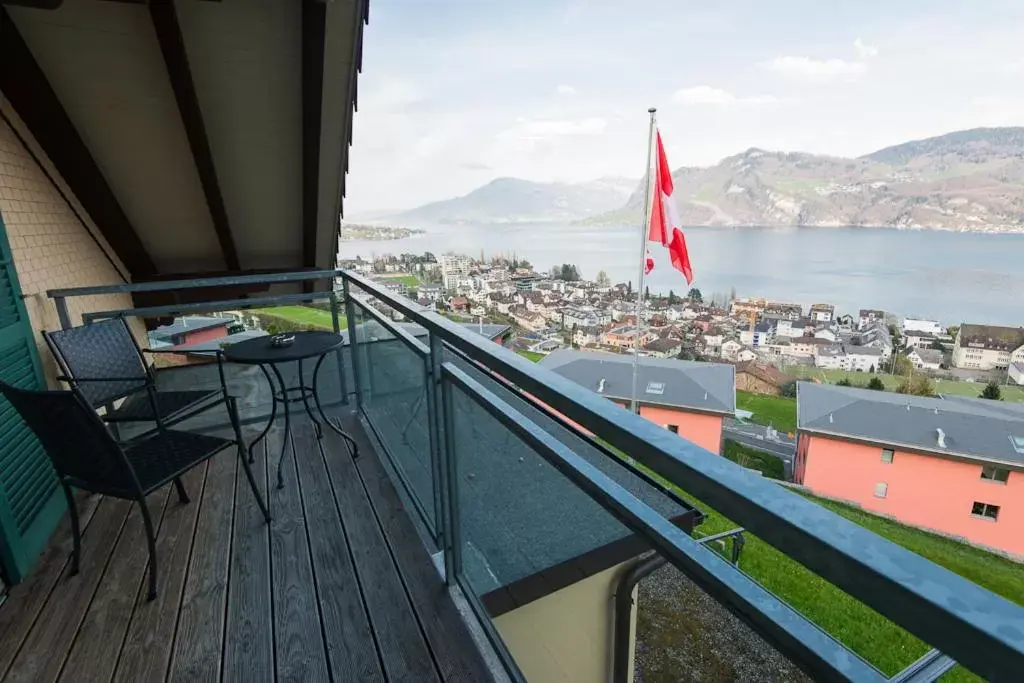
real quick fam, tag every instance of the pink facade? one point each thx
(204, 335)
(700, 428)
(922, 490)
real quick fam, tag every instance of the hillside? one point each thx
(967, 180)
(511, 200)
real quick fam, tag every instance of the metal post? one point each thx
(62, 312)
(643, 260)
(350, 313)
(452, 538)
(435, 432)
(337, 353)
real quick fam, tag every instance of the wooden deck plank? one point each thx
(47, 645)
(351, 650)
(199, 641)
(147, 645)
(399, 640)
(457, 656)
(26, 599)
(97, 646)
(249, 625)
(297, 634)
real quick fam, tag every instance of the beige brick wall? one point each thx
(50, 246)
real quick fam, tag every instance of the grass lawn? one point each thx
(303, 315)
(530, 355)
(942, 386)
(869, 634)
(778, 411)
(751, 458)
(406, 279)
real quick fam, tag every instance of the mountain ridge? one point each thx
(970, 180)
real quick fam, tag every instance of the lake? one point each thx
(951, 276)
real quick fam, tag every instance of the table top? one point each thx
(306, 345)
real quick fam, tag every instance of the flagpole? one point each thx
(644, 227)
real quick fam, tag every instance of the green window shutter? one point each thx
(31, 502)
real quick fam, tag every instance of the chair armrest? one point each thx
(185, 350)
(72, 380)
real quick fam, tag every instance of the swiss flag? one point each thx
(666, 227)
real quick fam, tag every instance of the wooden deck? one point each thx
(337, 587)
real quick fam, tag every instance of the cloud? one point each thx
(706, 95)
(566, 90)
(476, 166)
(543, 129)
(864, 51)
(817, 69)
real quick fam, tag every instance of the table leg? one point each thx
(350, 443)
(305, 402)
(287, 428)
(273, 411)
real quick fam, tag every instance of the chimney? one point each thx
(941, 438)
(830, 418)
(600, 386)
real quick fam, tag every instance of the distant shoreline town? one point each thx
(376, 233)
(559, 308)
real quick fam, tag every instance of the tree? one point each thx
(953, 330)
(629, 288)
(876, 384)
(917, 386)
(992, 391)
(937, 345)
(603, 280)
(844, 382)
(695, 295)
(901, 365)
(788, 389)
(647, 293)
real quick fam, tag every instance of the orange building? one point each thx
(952, 465)
(685, 397)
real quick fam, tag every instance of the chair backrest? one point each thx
(101, 350)
(78, 443)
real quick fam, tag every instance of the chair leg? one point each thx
(76, 532)
(233, 412)
(182, 493)
(151, 544)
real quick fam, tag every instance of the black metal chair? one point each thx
(86, 456)
(106, 364)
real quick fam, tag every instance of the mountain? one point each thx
(969, 180)
(512, 200)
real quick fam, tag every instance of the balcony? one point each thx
(493, 527)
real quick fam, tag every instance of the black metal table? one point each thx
(307, 345)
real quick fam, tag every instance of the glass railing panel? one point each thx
(395, 403)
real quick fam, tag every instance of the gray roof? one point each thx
(191, 323)
(977, 429)
(863, 351)
(685, 384)
(930, 355)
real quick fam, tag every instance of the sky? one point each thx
(455, 93)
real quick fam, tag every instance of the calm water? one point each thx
(945, 275)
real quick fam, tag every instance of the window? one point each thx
(655, 388)
(1018, 443)
(995, 474)
(985, 511)
(673, 428)
(881, 488)
(888, 455)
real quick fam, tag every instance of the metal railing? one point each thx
(420, 381)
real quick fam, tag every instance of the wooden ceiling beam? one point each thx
(172, 46)
(314, 16)
(25, 86)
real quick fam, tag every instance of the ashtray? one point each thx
(280, 341)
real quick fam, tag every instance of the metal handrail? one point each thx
(970, 624)
(974, 626)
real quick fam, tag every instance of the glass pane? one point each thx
(395, 403)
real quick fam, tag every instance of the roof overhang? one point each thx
(199, 137)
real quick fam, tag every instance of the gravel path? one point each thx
(683, 634)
